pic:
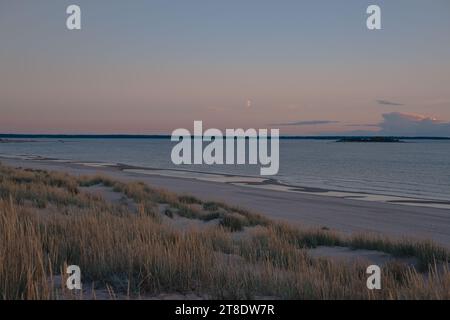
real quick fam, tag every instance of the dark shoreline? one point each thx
(165, 136)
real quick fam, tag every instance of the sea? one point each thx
(415, 168)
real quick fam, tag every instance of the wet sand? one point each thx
(305, 207)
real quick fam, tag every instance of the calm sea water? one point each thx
(417, 168)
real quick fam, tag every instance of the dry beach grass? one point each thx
(49, 220)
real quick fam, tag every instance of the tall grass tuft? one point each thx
(48, 222)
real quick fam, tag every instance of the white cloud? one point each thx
(397, 123)
(402, 124)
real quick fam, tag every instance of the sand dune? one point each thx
(346, 215)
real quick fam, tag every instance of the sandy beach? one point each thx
(299, 208)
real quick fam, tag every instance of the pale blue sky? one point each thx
(153, 66)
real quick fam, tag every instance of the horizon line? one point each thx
(168, 136)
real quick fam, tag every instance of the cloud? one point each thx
(389, 103)
(404, 124)
(305, 123)
(363, 125)
(400, 124)
(397, 123)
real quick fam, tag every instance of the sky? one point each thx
(150, 67)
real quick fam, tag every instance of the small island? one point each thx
(370, 139)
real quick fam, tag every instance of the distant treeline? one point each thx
(136, 136)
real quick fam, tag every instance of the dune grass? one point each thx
(47, 222)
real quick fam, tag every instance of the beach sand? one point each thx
(298, 208)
